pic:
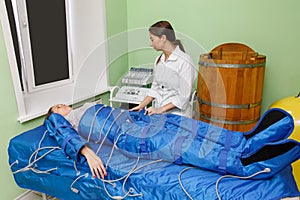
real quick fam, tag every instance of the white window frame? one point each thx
(89, 61)
(25, 49)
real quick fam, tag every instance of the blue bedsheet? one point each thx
(39, 163)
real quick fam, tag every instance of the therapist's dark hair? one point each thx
(165, 28)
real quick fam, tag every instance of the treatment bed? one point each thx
(144, 161)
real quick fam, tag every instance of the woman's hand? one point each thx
(150, 111)
(95, 163)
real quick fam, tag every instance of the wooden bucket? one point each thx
(230, 85)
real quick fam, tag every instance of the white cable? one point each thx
(108, 130)
(28, 167)
(134, 169)
(75, 167)
(36, 159)
(52, 148)
(12, 164)
(115, 180)
(41, 140)
(71, 186)
(266, 170)
(36, 154)
(179, 175)
(112, 149)
(125, 180)
(140, 167)
(43, 172)
(100, 133)
(114, 197)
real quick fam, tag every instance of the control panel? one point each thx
(131, 94)
(135, 86)
(138, 76)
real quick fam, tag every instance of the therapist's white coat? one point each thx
(173, 82)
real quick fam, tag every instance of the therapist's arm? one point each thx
(143, 104)
(168, 106)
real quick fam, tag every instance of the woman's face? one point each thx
(61, 109)
(157, 42)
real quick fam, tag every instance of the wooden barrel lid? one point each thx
(232, 51)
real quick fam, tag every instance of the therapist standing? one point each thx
(174, 74)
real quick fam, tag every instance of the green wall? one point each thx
(270, 27)
(9, 126)
(116, 17)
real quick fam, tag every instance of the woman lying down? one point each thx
(263, 151)
(71, 143)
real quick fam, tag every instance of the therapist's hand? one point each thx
(95, 163)
(150, 111)
(136, 108)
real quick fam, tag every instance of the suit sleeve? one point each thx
(66, 136)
